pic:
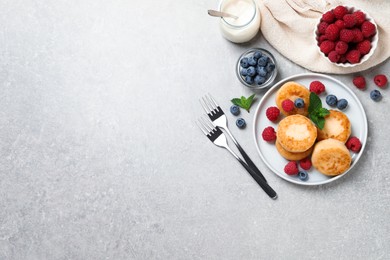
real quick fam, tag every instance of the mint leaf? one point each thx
(315, 102)
(322, 112)
(316, 112)
(321, 122)
(243, 102)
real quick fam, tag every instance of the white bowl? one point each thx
(374, 40)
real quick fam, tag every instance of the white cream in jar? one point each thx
(246, 26)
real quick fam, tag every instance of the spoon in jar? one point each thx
(220, 14)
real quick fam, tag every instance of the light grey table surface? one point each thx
(100, 157)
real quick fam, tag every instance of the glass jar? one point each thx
(246, 26)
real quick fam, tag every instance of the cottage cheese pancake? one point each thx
(331, 157)
(296, 133)
(292, 156)
(337, 126)
(292, 90)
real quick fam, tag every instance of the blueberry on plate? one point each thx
(331, 100)
(244, 62)
(261, 71)
(235, 110)
(303, 176)
(342, 104)
(375, 95)
(251, 71)
(252, 61)
(259, 80)
(299, 103)
(240, 123)
(262, 61)
(249, 79)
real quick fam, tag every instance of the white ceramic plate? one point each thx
(354, 111)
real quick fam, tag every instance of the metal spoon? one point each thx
(220, 14)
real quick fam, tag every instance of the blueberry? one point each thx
(241, 123)
(303, 176)
(243, 72)
(270, 67)
(251, 71)
(261, 71)
(249, 80)
(257, 55)
(375, 95)
(262, 61)
(259, 80)
(252, 61)
(235, 110)
(244, 62)
(331, 100)
(299, 103)
(342, 104)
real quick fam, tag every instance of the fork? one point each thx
(219, 119)
(217, 137)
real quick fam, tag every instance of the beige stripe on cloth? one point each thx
(288, 25)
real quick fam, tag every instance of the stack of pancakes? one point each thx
(297, 137)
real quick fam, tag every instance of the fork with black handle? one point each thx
(219, 119)
(216, 136)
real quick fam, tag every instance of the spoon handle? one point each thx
(220, 14)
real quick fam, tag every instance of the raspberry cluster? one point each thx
(344, 36)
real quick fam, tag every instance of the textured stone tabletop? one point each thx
(100, 157)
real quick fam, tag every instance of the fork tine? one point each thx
(210, 102)
(213, 101)
(209, 124)
(201, 127)
(206, 125)
(203, 104)
(207, 103)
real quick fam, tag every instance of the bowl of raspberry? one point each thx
(346, 36)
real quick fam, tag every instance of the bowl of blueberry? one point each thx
(256, 68)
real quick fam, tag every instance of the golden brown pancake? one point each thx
(292, 90)
(292, 156)
(331, 157)
(337, 126)
(296, 133)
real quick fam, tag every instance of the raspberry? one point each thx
(353, 56)
(305, 163)
(340, 24)
(287, 105)
(360, 17)
(317, 87)
(347, 35)
(332, 32)
(364, 47)
(269, 134)
(328, 17)
(326, 47)
(380, 80)
(340, 11)
(334, 56)
(343, 59)
(358, 35)
(359, 82)
(349, 20)
(354, 144)
(321, 39)
(291, 168)
(368, 29)
(272, 113)
(341, 47)
(322, 27)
